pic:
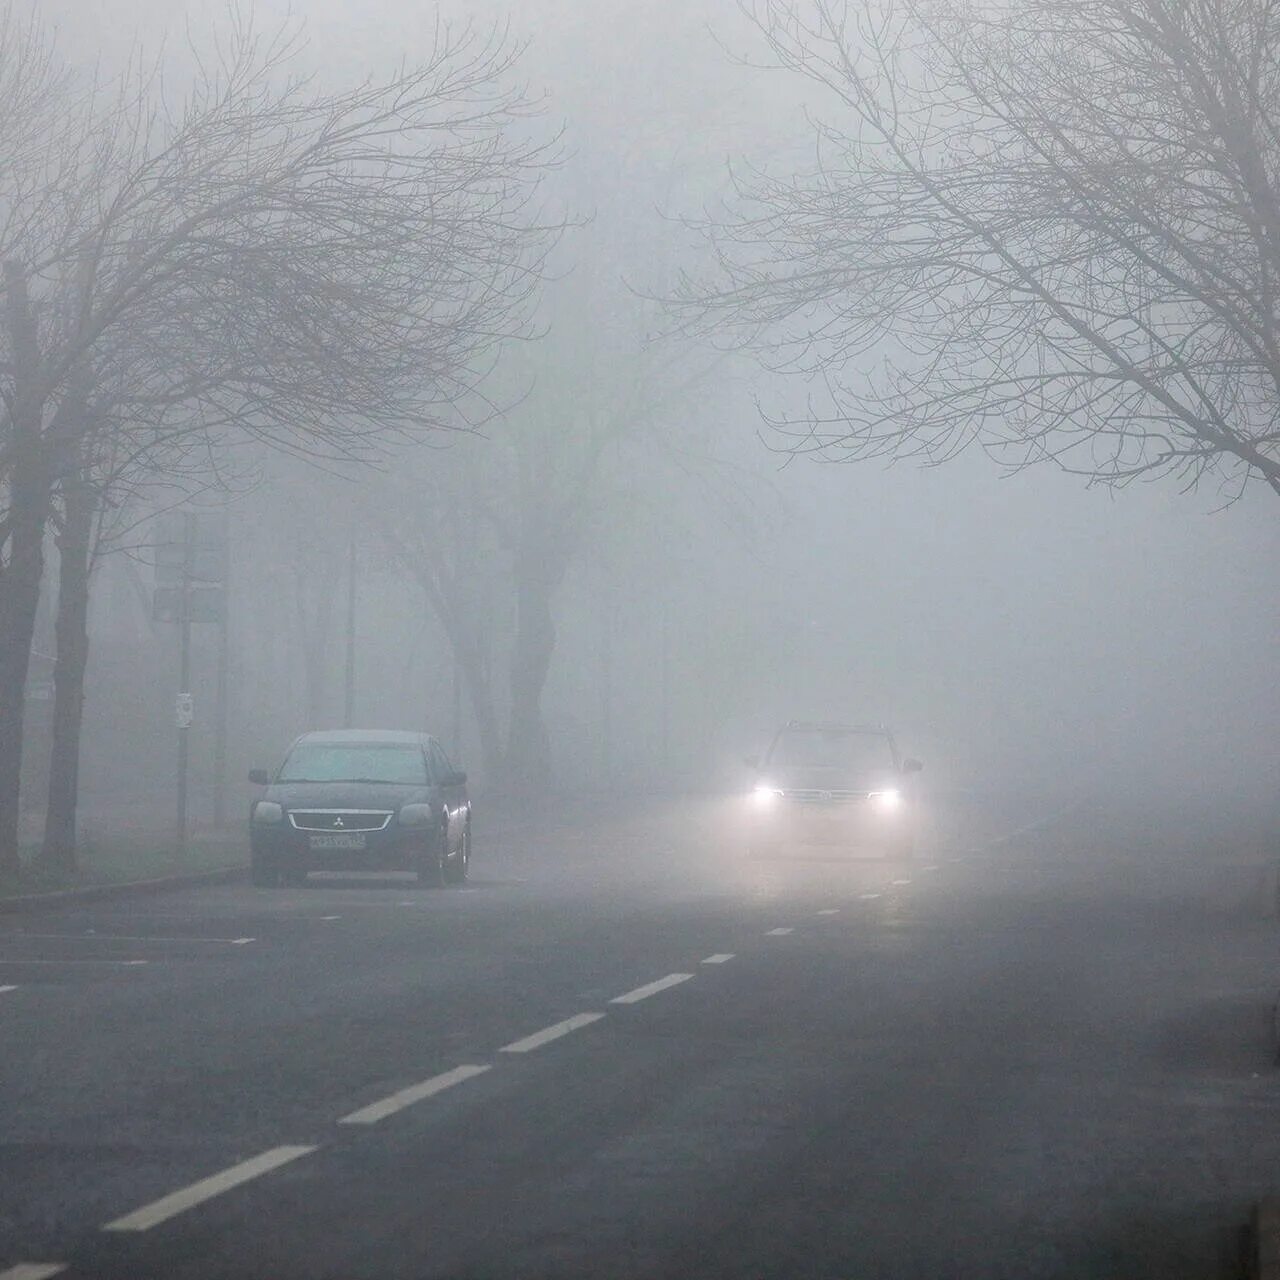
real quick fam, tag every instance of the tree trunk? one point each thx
(58, 853)
(29, 484)
(528, 763)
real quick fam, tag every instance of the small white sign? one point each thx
(184, 711)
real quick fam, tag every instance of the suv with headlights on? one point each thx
(361, 800)
(841, 784)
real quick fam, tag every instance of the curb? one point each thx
(125, 889)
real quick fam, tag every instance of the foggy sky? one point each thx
(1001, 623)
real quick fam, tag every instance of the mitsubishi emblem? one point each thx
(337, 822)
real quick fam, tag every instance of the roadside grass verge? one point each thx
(127, 856)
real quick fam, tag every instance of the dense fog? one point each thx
(1017, 630)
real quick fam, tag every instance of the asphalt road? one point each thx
(625, 1050)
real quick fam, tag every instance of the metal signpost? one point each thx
(191, 573)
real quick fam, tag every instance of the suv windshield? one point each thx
(345, 762)
(849, 750)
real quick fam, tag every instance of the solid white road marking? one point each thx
(829, 911)
(121, 937)
(720, 957)
(651, 988)
(376, 1111)
(776, 933)
(33, 1271)
(151, 1215)
(866, 897)
(66, 962)
(547, 1034)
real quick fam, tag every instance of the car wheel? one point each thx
(460, 868)
(433, 867)
(262, 874)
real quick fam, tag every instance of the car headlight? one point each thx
(267, 812)
(415, 815)
(763, 796)
(888, 800)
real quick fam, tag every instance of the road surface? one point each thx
(1043, 1049)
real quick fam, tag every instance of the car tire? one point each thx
(262, 874)
(433, 866)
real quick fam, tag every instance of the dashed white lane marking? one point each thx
(776, 933)
(547, 1034)
(33, 1271)
(955, 859)
(829, 911)
(330, 917)
(151, 1215)
(720, 957)
(376, 1111)
(3, 989)
(123, 937)
(902, 882)
(13, 960)
(651, 988)
(866, 897)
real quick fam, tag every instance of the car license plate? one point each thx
(346, 841)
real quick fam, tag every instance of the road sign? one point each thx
(197, 553)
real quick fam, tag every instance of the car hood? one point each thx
(345, 795)
(801, 778)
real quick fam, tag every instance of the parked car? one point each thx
(361, 800)
(835, 784)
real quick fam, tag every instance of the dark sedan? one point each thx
(361, 800)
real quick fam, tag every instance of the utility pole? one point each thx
(349, 701)
(606, 687)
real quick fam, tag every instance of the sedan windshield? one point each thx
(848, 750)
(347, 762)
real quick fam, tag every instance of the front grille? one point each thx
(810, 795)
(339, 819)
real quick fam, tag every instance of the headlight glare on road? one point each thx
(415, 815)
(267, 813)
(888, 800)
(763, 796)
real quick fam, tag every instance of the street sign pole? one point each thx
(220, 740)
(184, 680)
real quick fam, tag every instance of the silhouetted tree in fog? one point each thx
(316, 270)
(1050, 228)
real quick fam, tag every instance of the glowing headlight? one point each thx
(415, 815)
(764, 796)
(887, 801)
(267, 812)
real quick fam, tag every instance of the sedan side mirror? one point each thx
(912, 766)
(259, 777)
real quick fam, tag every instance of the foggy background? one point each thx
(1016, 632)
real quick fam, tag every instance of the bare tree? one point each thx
(315, 270)
(1049, 228)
